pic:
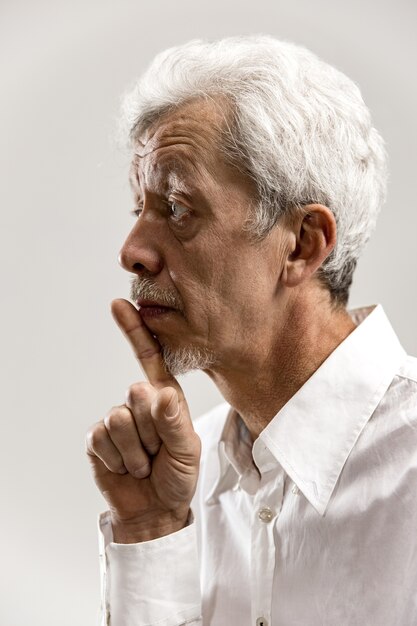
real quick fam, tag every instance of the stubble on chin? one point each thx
(183, 359)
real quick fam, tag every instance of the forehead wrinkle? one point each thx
(175, 171)
(166, 140)
(199, 120)
(195, 130)
(184, 146)
(178, 157)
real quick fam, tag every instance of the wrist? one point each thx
(137, 531)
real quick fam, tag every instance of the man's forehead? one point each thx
(193, 123)
(183, 140)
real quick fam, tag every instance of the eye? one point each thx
(136, 211)
(178, 211)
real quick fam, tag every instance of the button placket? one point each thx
(267, 504)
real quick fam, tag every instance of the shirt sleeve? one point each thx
(150, 583)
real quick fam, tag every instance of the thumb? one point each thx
(173, 425)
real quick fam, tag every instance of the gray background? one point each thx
(64, 214)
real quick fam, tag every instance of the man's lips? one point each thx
(144, 303)
(151, 308)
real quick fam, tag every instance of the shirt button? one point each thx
(261, 621)
(295, 490)
(265, 515)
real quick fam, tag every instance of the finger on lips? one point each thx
(146, 348)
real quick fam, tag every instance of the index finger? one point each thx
(146, 348)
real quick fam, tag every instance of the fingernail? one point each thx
(123, 470)
(173, 407)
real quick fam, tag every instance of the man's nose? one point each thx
(138, 254)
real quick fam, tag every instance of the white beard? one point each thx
(182, 360)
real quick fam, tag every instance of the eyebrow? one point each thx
(174, 170)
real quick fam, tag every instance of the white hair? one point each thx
(298, 127)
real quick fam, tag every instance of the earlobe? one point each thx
(313, 238)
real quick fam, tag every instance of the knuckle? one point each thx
(94, 436)
(138, 392)
(117, 418)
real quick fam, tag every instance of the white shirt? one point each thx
(313, 525)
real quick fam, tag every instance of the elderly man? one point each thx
(257, 178)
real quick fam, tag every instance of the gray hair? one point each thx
(299, 128)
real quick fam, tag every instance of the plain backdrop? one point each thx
(65, 207)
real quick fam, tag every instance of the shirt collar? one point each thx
(312, 436)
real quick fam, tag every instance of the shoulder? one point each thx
(383, 461)
(390, 437)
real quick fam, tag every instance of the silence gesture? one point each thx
(145, 454)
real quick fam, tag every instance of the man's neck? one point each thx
(259, 386)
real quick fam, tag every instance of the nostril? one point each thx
(139, 259)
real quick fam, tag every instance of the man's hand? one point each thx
(145, 454)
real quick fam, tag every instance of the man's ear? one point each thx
(312, 238)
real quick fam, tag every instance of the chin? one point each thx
(180, 360)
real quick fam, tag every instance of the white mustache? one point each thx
(145, 288)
